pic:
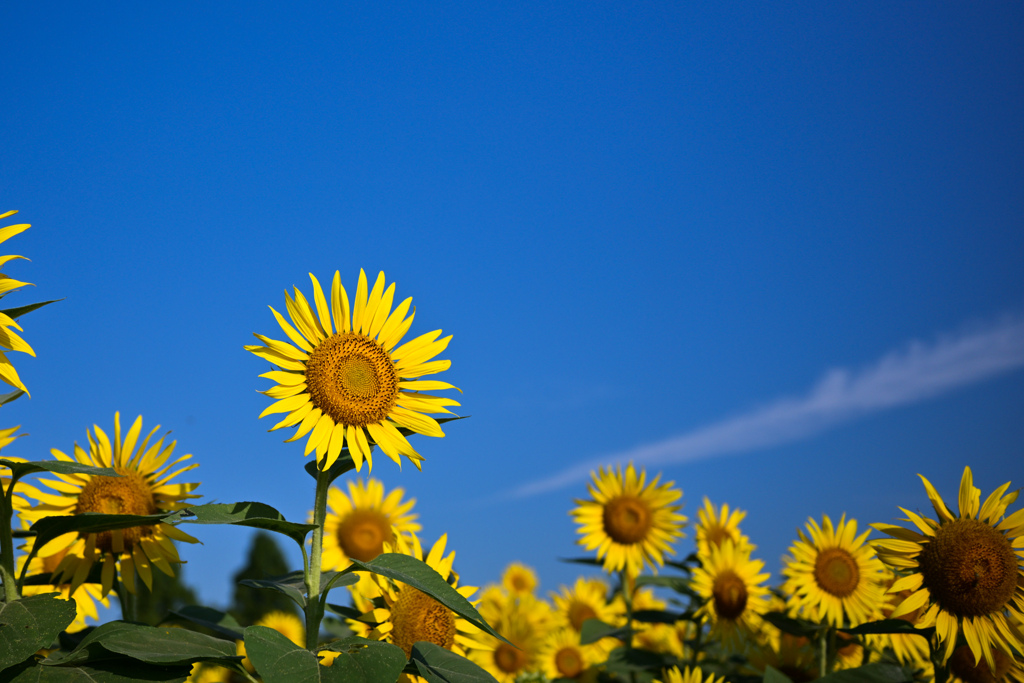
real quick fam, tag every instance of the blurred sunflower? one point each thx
(343, 380)
(144, 488)
(562, 656)
(629, 521)
(520, 626)
(9, 339)
(909, 648)
(519, 579)
(715, 526)
(964, 669)
(688, 675)
(965, 571)
(732, 584)
(833, 575)
(358, 525)
(587, 599)
(403, 615)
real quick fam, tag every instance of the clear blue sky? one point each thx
(653, 230)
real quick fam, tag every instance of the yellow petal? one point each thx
(321, 306)
(339, 304)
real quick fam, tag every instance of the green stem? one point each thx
(7, 546)
(627, 597)
(314, 613)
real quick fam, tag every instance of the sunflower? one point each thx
(715, 526)
(909, 648)
(965, 571)
(519, 579)
(587, 599)
(674, 675)
(144, 488)
(358, 525)
(833, 575)
(9, 339)
(562, 656)
(629, 521)
(732, 585)
(343, 380)
(520, 626)
(403, 615)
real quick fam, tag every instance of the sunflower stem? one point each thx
(7, 545)
(314, 613)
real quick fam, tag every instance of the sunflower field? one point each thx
(938, 598)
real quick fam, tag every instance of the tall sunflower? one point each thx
(344, 380)
(732, 584)
(586, 599)
(966, 571)
(629, 521)
(359, 524)
(714, 526)
(400, 614)
(9, 339)
(833, 575)
(144, 488)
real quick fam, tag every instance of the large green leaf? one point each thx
(773, 675)
(215, 620)
(423, 577)
(28, 624)
(890, 626)
(795, 627)
(250, 514)
(49, 528)
(439, 665)
(20, 469)
(122, 670)
(594, 630)
(19, 311)
(870, 673)
(150, 644)
(364, 661)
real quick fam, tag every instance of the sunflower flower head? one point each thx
(733, 586)
(344, 379)
(144, 487)
(716, 525)
(358, 525)
(9, 339)
(519, 579)
(833, 574)
(965, 571)
(628, 520)
(688, 675)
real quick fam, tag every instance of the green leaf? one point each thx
(890, 626)
(20, 469)
(439, 665)
(150, 644)
(795, 627)
(293, 585)
(28, 624)
(870, 673)
(677, 583)
(49, 528)
(636, 664)
(594, 630)
(656, 616)
(19, 311)
(773, 675)
(122, 670)
(256, 515)
(343, 464)
(207, 617)
(423, 577)
(581, 560)
(364, 661)
(346, 612)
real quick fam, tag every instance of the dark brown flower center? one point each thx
(352, 378)
(969, 568)
(730, 594)
(580, 612)
(627, 519)
(963, 666)
(836, 572)
(509, 659)
(363, 533)
(128, 494)
(569, 662)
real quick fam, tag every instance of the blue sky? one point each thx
(776, 252)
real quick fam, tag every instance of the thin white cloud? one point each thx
(918, 372)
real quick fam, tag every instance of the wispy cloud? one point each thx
(915, 373)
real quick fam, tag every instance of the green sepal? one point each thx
(420, 575)
(31, 623)
(19, 311)
(250, 514)
(438, 665)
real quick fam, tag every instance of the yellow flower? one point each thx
(562, 656)
(833, 575)
(587, 599)
(344, 381)
(144, 488)
(403, 615)
(965, 571)
(358, 525)
(732, 584)
(714, 527)
(520, 626)
(9, 339)
(909, 648)
(519, 579)
(629, 521)
(285, 623)
(690, 676)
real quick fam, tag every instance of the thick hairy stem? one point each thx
(314, 613)
(7, 546)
